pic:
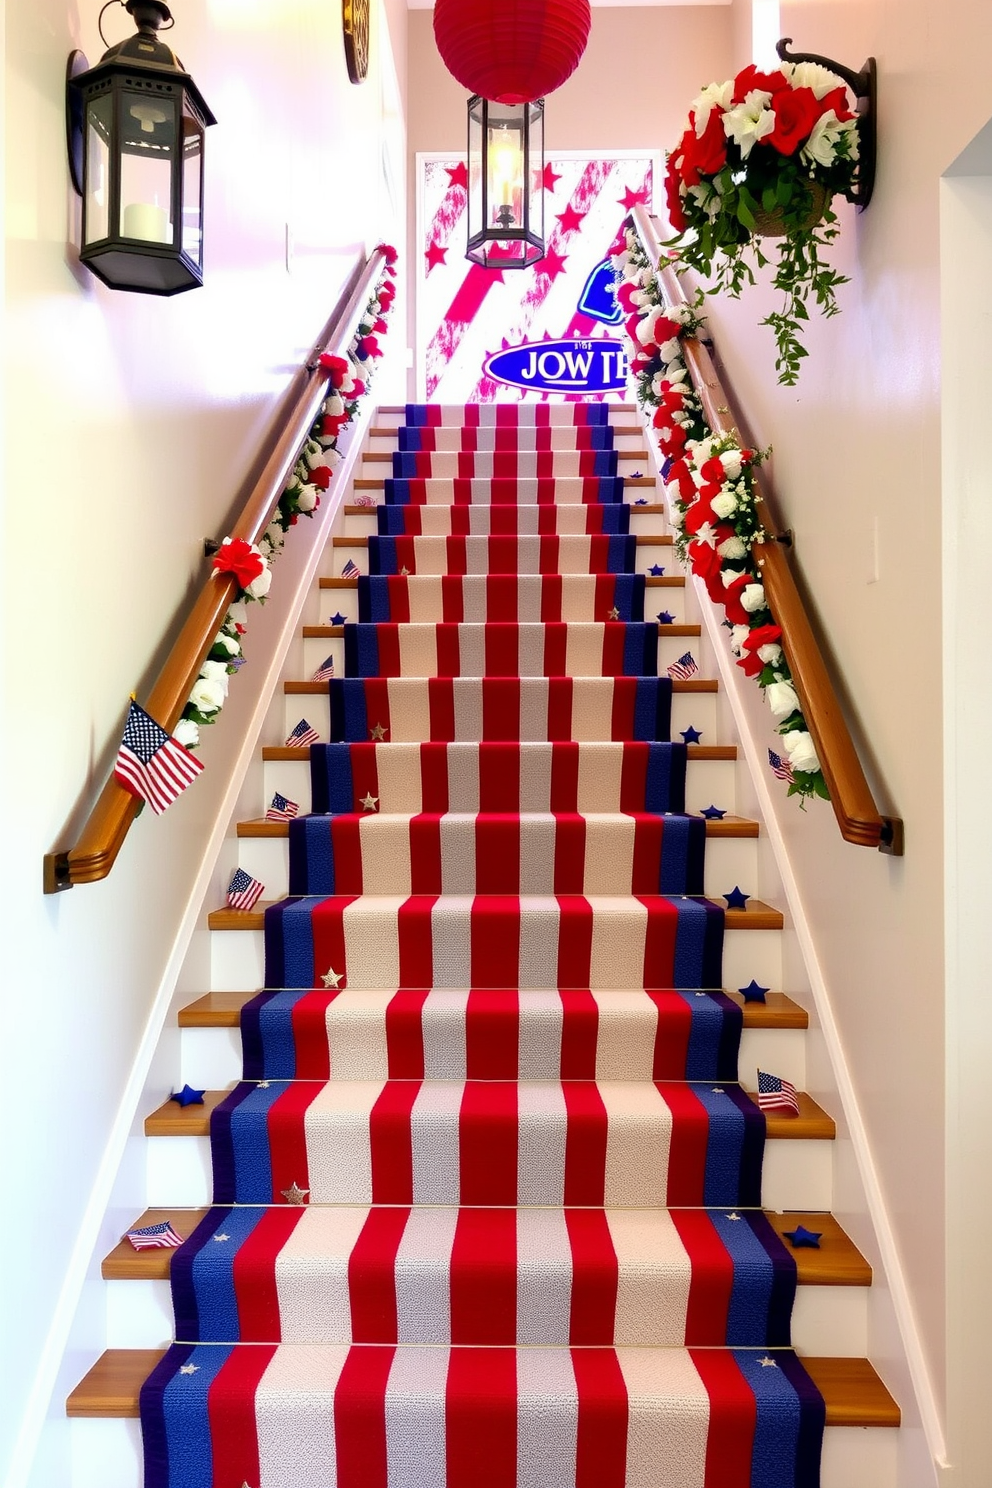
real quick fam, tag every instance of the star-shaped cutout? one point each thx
(378, 732)
(767, 1363)
(631, 198)
(641, 501)
(752, 992)
(369, 801)
(570, 219)
(613, 614)
(736, 899)
(218, 1239)
(338, 618)
(552, 264)
(691, 735)
(637, 475)
(332, 978)
(656, 570)
(435, 255)
(801, 1237)
(404, 572)
(732, 1216)
(458, 174)
(549, 178)
(713, 813)
(665, 617)
(295, 1195)
(188, 1368)
(187, 1096)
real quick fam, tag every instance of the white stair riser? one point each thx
(107, 1454)
(796, 1174)
(646, 557)
(706, 782)
(237, 959)
(317, 649)
(386, 444)
(323, 603)
(729, 861)
(365, 524)
(689, 710)
(211, 1057)
(825, 1320)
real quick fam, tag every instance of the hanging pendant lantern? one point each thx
(136, 123)
(512, 51)
(505, 183)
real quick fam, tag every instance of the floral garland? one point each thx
(711, 493)
(249, 563)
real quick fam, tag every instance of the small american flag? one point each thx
(683, 669)
(775, 1094)
(351, 570)
(151, 764)
(781, 768)
(282, 809)
(302, 735)
(154, 1237)
(244, 891)
(325, 671)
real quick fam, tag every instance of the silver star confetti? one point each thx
(332, 978)
(188, 1368)
(369, 802)
(295, 1195)
(378, 732)
(767, 1363)
(614, 614)
(219, 1238)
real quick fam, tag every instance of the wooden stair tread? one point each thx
(695, 752)
(649, 509)
(652, 581)
(173, 1120)
(838, 1262)
(662, 540)
(378, 432)
(223, 1010)
(332, 632)
(372, 484)
(853, 1393)
(728, 826)
(756, 915)
(319, 689)
(379, 456)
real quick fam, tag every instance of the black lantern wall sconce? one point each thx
(505, 183)
(135, 126)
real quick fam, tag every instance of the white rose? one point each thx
(332, 457)
(307, 498)
(207, 696)
(334, 405)
(732, 548)
(802, 754)
(782, 698)
(811, 75)
(640, 297)
(821, 147)
(738, 636)
(275, 536)
(238, 614)
(216, 671)
(725, 504)
(229, 644)
(313, 454)
(753, 598)
(715, 95)
(731, 462)
(671, 350)
(187, 733)
(771, 655)
(750, 121)
(259, 588)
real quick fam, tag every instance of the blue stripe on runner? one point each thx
(705, 1033)
(753, 1150)
(776, 1427)
(610, 489)
(294, 966)
(382, 555)
(187, 1418)
(409, 439)
(185, 1304)
(213, 1275)
(698, 947)
(390, 521)
(784, 1272)
(672, 877)
(361, 650)
(415, 414)
(250, 1146)
(722, 1178)
(311, 858)
(628, 592)
(348, 710)
(277, 1038)
(374, 603)
(812, 1419)
(151, 1410)
(616, 517)
(404, 465)
(396, 492)
(696, 863)
(751, 1283)
(653, 708)
(222, 1143)
(640, 649)
(331, 784)
(605, 462)
(730, 1035)
(622, 553)
(664, 781)
(252, 1042)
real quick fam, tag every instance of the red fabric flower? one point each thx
(751, 80)
(368, 346)
(706, 155)
(706, 561)
(624, 300)
(751, 665)
(796, 111)
(380, 327)
(336, 366)
(358, 391)
(682, 477)
(699, 513)
(837, 100)
(240, 559)
(332, 424)
(732, 599)
(674, 443)
(387, 294)
(320, 476)
(762, 635)
(676, 214)
(389, 252)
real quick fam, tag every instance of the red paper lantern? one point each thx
(513, 51)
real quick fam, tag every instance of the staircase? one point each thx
(527, 1182)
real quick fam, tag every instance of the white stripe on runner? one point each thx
(294, 1416)
(638, 1140)
(336, 1128)
(311, 1274)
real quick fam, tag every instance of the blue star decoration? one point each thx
(752, 992)
(713, 813)
(736, 899)
(338, 618)
(188, 1096)
(641, 501)
(656, 571)
(665, 617)
(692, 736)
(801, 1237)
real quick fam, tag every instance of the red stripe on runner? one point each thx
(633, 777)
(559, 708)
(484, 1277)
(495, 941)
(499, 777)
(364, 772)
(492, 1034)
(405, 1034)
(434, 777)
(377, 705)
(497, 854)
(659, 941)
(579, 1035)
(550, 548)
(555, 649)
(372, 1276)
(688, 1144)
(595, 1277)
(488, 1126)
(406, 554)
(459, 518)
(624, 697)
(416, 947)
(425, 855)
(645, 868)
(570, 853)
(671, 1039)
(327, 929)
(360, 1418)
(501, 597)
(502, 650)
(309, 1022)
(441, 707)
(388, 639)
(613, 647)
(574, 941)
(503, 555)
(712, 1278)
(564, 777)
(452, 598)
(605, 584)
(449, 661)
(347, 844)
(585, 1143)
(232, 1416)
(601, 1437)
(481, 1419)
(456, 560)
(254, 1274)
(733, 1413)
(285, 1124)
(391, 1142)
(551, 594)
(501, 708)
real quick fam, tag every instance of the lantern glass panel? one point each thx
(148, 158)
(505, 156)
(193, 190)
(476, 177)
(535, 152)
(96, 204)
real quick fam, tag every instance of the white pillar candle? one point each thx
(143, 220)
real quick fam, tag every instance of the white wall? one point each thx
(131, 424)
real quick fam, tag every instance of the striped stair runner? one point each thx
(486, 1200)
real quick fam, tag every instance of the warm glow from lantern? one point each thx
(506, 163)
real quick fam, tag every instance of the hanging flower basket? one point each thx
(761, 157)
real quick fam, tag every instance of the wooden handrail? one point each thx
(104, 831)
(858, 817)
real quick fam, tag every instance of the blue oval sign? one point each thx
(567, 366)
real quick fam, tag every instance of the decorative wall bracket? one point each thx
(863, 85)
